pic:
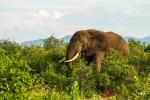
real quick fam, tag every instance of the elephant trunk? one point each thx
(73, 50)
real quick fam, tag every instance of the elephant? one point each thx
(94, 44)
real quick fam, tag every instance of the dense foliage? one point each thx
(33, 73)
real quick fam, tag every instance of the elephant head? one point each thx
(91, 42)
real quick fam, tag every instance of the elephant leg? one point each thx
(99, 59)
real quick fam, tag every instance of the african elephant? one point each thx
(94, 44)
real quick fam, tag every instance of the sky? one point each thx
(25, 20)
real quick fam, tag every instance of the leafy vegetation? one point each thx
(33, 73)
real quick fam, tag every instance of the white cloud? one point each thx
(39, 22)
(43, 13)
(43, 17)
(29, 20)
(57, 14)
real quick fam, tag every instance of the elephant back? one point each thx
(118, 43)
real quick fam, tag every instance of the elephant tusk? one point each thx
(62, 60)
(75, 57)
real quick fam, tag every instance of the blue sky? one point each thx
(23, 20)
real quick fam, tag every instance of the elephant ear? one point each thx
(98, 43)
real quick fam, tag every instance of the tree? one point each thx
(147, 48)
(52, 42)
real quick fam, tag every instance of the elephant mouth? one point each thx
(73, 58)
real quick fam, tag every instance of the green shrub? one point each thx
(15, 80)
(52, 42)
(75, 93)
(33, 73)
(36, 58)
(11, 48)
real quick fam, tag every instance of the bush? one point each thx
(33, 73)
(75, 93)
(15, 80)
(52, 42)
